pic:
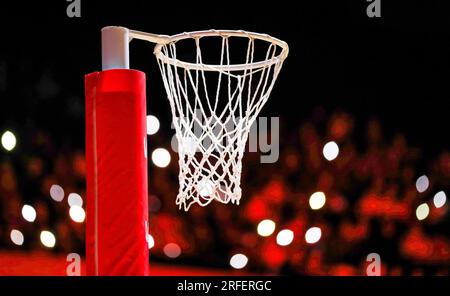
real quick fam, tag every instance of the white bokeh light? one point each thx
(28, 213)
(422, 183)
(313, 235)
(285, 237)
(152, 125)
(238, 261)
(48, 239)
(75, 199)
(422, 211)
(330, 150)
(172, 250)
(266, 227)
(189, 145)
(150, 241)
(16, 237)
(77, 214)
(56, 192)
(8, 141)
(439, 199)
(161, 157)
(205, 188)
(317, 200)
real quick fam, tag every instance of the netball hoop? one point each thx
(217, 82)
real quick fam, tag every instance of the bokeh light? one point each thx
(48, 239)
(154, 204)
(150, 241)
(439, 199)
(161, 157)
(28, 213)
(238, 261)
(172, 250)
(266, 227)
(330, 150)
(77, 214)
(422, 211)
(422, 183)
(285, 237)
(56, 192)
(17, 237)
(75, 199)
(152, 125)
(313, 235)
(205, 188)
(190, 145)
(317, 200)
(8, 141)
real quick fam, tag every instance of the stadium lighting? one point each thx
(75, 199)
(330, 151)
(16, 237)
(152, 125)
(28, 213)
(150, 241)
(9, 141)
(317, 200)
(422, 183)
(172, 250)
(56, 193)
(422, 211)
(238, 261)
(313, 235)
(439, 199)
(285, 237)
(205, 188)
(161, 157)
(48, 239)
(266, 227)
(77, 214)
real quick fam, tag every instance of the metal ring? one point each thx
(222, 33)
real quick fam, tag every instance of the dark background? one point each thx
(396, 68)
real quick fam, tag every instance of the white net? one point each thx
(214, 105)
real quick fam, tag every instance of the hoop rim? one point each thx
(223, 33)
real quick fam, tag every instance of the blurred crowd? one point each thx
(26, 176)
(370, 189)
(370, 207)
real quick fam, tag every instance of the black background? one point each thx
(279, 285)
(396, 68)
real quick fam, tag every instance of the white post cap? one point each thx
(115, 48)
